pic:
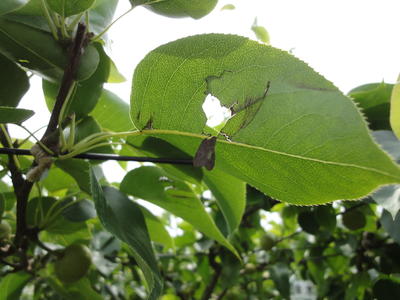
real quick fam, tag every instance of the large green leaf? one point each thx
(14, 83)
(38, 51)
(68, 8)
(7, 6)
(14, 115)
(124, 219)
(153, 184)
(12, 284)
(374, 101)
(395, 109)
(179, 8)
(112, 113)
(87, 93)
(303, 142)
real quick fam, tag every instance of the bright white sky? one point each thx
(350, 42)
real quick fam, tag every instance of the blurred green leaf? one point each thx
(374, 101)
(87, 92)
(124, 219)
(12, 284)
(153, 184)
(68, 8)
(7, 6)
(228, 7)
(38, 51)
(179, 8)
(157, 231)
(260, 32)
(14, 115)
(112, 113)
(78, 169)
(14, 82)
(395, 108)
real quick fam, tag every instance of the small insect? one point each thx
(205, 155)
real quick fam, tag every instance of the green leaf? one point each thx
(395, 108)
(391, 225)
(57, 180)
(156, 229)
(115, 76)
(101, 15)
(32, 8)
(7, 6)
(124, 219)
(14, 83)
(228, 7)
(112, 113)
(230, 194)
(78, 169)
(389, 142)
(87, 93)
(80, 211)
(11, 285)
(37, 50)
(14, 115)
(374, 101)
(179, 8)
(68, 8)
(153, 184)
(389, 198)
(273, 140)
(80, 290)
(260, 32)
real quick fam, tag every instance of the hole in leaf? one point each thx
(216, 113)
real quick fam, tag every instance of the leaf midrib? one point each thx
(181, 133)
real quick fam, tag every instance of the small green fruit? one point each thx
(5, 231)
(74, 263)
(267, 242)
(354, 219)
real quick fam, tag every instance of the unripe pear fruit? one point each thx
(267, 242)
(73, 264)
(5, 231)
(354, 219)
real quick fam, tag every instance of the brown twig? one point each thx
(67, 80)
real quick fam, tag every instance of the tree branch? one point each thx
(22, 189)
(67, 80)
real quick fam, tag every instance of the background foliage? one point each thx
(291, 136)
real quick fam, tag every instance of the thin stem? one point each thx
(9, 141)
(32, 134)
(96, 38)
(50, 22)
(64, 32)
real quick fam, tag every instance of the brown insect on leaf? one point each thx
(205, 155)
